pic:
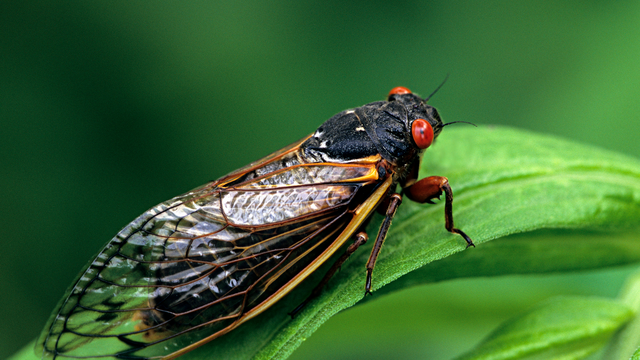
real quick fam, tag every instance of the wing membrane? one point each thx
(193, 266)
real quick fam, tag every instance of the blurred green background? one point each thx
(108, 108)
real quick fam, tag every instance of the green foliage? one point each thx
(562, 328)
(505, 182)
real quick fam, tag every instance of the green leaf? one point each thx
(562, 328)
(627, 340)
(505, 182)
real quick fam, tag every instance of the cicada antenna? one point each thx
(453, 122)
(438, 88)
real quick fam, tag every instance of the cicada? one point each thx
(197, 266)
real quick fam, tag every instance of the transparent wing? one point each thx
(192, 267)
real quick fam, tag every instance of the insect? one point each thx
(197, 266)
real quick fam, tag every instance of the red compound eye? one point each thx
(399, 91)
(422, 133)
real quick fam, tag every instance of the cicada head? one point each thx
(421, 123)
(398, 130)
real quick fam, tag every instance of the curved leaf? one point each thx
(626, 341)
(561, 328)
(505, 181)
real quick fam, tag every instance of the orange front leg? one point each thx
(430, 188)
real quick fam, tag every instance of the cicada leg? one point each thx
(394, 202)
(430, 188)
(361, 238)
